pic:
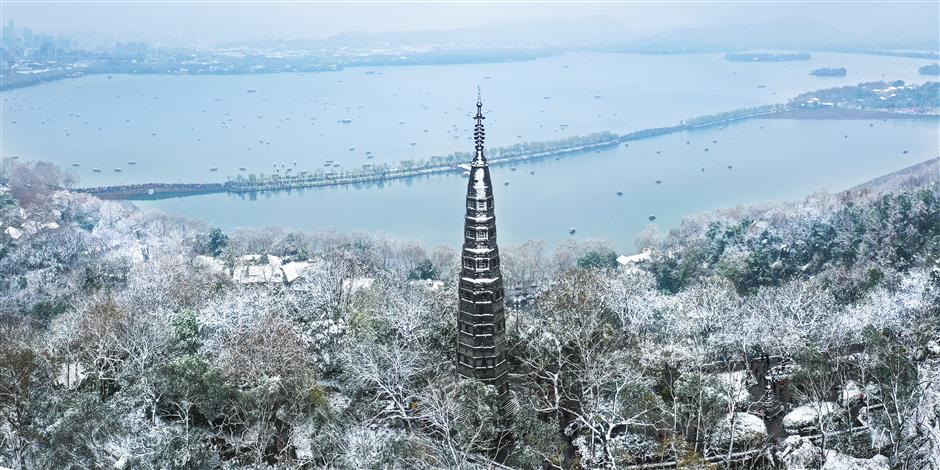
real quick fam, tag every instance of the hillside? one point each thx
(139, 340)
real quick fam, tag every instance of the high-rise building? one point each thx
(47, 51)
(9, 35)
(481, 322)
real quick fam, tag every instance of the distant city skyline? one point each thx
(209, 23)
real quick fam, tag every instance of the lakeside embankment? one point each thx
(499, 156)
(846, 113)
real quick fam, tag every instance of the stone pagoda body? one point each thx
(481, 322)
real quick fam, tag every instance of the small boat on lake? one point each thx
(572, 230)
(214, 169)
(132, 162)
(241, 168)
(76, 165)
(619, 193)
(651, 217)
(96, 170)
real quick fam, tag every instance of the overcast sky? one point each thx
(211, 22)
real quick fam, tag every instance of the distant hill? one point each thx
(921, 175)
(602, 34)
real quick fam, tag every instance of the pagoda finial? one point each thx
(479, 134)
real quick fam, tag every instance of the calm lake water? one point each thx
(176, 128)
(770, 160)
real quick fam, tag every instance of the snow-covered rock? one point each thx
(839, 461)
(14, 233)
(734, 386)
(807, 417)
(749, 431)
(799, 453)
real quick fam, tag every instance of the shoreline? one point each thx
(470, 60)
(846, 114)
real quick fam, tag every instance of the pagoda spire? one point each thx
(479, 134)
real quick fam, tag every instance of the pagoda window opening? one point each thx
(482, 234)
(481, 205)
(468, 263)
(483, 264)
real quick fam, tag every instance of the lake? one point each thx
(771, 159)
(176, 128)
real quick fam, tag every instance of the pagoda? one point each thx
(481, 321)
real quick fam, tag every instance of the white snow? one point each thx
(749, 430)
(799, 453)
(70, 375)
(851, 392)
(480, 280)
(213, 265)
(251, 270)
(734, 386)
(805, 417)
(428, 284)
(839, 461)
(479, 183)
(934, 347)
(356, 284)
(294, 269)
(14, 233)
(634, 259)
